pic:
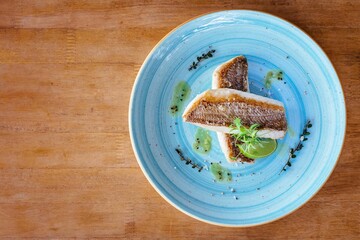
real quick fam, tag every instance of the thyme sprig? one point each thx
(204, 56)
(299, 146)
(188, 160)
(245, 136)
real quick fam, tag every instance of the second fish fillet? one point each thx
(232, 74)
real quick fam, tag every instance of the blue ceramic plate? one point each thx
(310, 90)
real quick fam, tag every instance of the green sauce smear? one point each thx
(291, 131)
(202, 142)
(220, 173)
(271, 76)
(180, 95)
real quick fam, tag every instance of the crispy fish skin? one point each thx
(232, 74)
(216, 110)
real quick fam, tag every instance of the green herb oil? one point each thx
(291, 131)
(220, 173)
(271, 76)
(180, 95)
(202, 142)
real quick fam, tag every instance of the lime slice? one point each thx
(262, 149)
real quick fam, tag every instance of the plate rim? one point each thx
(135, 150)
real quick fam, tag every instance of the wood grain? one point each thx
(66, 164)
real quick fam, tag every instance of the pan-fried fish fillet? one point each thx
(216, 110)
(232, 74)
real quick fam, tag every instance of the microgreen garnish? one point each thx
(204, 56)
(243, 135)
(299, 146)
(188, 160)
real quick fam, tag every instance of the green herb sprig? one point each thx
(204, 56)
(299, 146)
(188, 160)
(243, 135)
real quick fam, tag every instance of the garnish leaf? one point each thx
(246, 136)
(299, 146)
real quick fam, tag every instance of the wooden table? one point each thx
(67, 168)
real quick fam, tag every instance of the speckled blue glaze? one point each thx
(310, 90)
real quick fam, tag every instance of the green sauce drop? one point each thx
(202, 143)
(220, 173)
(291, 131)
(271, 76)
(180, 95)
